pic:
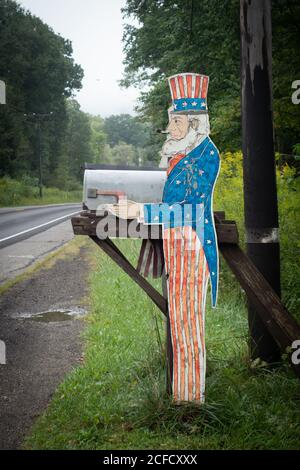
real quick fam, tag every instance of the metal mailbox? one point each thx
(107, 184)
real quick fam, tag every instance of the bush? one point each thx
(229, 197)
(26, 191)
(12, 191)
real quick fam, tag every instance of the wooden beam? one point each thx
(87, 225)
(276, 318)
(116, 255)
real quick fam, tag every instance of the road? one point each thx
(27, 235)
(17, 224)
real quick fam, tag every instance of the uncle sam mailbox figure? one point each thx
(190, 248)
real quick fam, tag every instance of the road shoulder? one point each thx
(40, 353)
(17, 258)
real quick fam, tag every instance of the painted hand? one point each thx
(125, 209)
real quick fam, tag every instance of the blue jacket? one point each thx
(187, 201)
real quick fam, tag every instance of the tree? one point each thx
(203, 36)
(124, 154)
(98, 138)
(39, 71)
(78, 139)
(125, 128)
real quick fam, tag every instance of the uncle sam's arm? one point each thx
(145, 213)
(155, 214)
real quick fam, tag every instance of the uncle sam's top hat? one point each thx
(189, 93)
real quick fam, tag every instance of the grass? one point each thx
(117, 399)
(21, 193)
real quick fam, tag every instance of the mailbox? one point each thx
(105, 184)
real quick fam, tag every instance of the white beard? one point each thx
(172, 147)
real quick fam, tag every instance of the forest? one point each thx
(42, 78)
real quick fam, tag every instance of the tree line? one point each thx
(168, 36)
(41, 79)
(203, 36)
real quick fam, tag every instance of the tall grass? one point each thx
(26, 192)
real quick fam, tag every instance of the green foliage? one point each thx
(185, 36)
(124, 154)
(229, 197)
(286, 66)
(98, 138)
(296, 149)
(229, 190)
(12, 191)
(124, 129)
(37, 66)
(41, 76)
(289, 220)
(26, 192)
(78, 139)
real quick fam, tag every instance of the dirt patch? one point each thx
(39, 354)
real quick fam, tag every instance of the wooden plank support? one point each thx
(279, 322)
(86, 224)
(116, 255)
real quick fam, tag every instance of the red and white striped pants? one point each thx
(187, 280)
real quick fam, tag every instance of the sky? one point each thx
(95, 29)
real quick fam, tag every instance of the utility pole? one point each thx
(2, 92)
(260, 193)
(38, 118)
(39, 147)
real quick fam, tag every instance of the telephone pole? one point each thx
(38, 118)
(2, 92)
(260, 192)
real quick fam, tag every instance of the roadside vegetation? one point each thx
(26, 192)
(117, 399)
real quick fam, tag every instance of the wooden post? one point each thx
(2, 92)
(116, 255)
(260, 195)
(39, 151)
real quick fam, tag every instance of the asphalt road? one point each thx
(18, 224)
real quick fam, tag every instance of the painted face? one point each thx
(178, 126)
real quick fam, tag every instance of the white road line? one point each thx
(21, 256)
(38, 226)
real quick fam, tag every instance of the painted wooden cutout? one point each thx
(190, 244)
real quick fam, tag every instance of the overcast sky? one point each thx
(95, 29)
